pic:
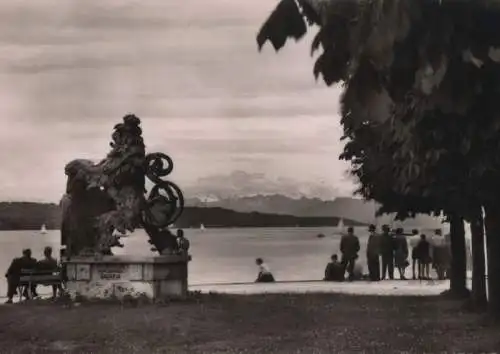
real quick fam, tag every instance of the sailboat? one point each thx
(43, 229)
(340, 227)
(202, 227)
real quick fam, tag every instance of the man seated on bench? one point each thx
(13, 275)
(48, 266)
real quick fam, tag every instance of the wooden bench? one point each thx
(39, 277)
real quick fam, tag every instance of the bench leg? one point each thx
(30, 291)
(20, 290)
(24, 290)
(27, 292)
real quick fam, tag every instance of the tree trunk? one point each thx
(458, 269)
(492, 223)
(479, 299)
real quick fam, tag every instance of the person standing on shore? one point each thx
(401, 253)
(422, 251)
(387, 252)
(414, 240)
(349, 247)
(373, 254)
(183, 243)
(440, 257)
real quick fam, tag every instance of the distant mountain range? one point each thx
(342, 207)
(240, 183)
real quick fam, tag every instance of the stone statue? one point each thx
(109, 197)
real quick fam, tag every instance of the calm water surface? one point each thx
(219, 255)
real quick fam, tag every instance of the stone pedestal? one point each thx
(155, 277)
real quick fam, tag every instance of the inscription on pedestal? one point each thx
(111, 271)
(118, 276)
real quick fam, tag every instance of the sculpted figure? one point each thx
(109, 197)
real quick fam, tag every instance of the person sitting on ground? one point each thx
(265, 275)
(349, 247)
(423, 255)
(13, 274)
(48, 265)
(401, 253)
(334, 270)
(182, 242)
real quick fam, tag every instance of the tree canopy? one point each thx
(421, 80)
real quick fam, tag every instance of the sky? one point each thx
(190, 69)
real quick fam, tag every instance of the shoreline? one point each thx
(381, 288)
(395, 287)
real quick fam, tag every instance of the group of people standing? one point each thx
(387, 251)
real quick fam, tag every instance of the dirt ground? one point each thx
(299, 323)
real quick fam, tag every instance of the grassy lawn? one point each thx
(306, 323)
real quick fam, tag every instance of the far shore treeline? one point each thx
(31, 216)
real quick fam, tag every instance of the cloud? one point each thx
(190, 69)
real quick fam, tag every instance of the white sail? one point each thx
(340, 225)
(339, 230)
(43, 229)
(202, 227)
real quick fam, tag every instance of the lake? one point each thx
(219, 255)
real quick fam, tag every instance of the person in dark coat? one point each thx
(49, 265)
(440, 254)
(387, 252)
(373, 254)
(349, 247)
(334, 270)
(13, 274)
(423, 254)
(401, 253)
(183, 243)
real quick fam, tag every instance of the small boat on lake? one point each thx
(202, 227)
(43, 229)
(340, 227)
(320, 235)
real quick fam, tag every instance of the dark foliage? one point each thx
(285, 21)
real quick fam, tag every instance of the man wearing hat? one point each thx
(387, 252)
(349, 247)
(373, 254)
